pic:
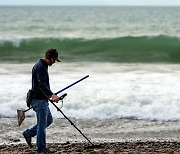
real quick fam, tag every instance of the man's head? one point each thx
(51, 56)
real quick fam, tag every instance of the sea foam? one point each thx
(135, 91)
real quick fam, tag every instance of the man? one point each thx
(40, 80)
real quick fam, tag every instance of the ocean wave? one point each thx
(123, 49)
(112, 91)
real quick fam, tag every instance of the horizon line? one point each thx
(91, 5)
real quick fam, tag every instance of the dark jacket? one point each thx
(40, 78)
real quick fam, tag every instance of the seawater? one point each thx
(106, 34)
(112, 91)
(87, 22)
(131, 54)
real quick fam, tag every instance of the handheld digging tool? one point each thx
(21, 112)
(21, 115)
(72, 84)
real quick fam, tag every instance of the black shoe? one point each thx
(45, 151)
(28, 139)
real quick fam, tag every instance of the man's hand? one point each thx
(55, 98)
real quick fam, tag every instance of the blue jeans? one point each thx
(44, 119)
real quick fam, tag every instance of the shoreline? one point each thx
(112, 130)
(128, 147)
(113, 135)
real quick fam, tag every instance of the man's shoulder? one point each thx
(38, 64)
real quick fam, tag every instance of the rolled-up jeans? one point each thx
(44, 119)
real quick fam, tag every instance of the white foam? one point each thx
(141, 91)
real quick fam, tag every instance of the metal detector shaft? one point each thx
(58, 109)
(72, 123)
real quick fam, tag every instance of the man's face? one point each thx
(51, 61)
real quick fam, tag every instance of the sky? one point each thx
(93, 2)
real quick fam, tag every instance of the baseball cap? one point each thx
(52, 53)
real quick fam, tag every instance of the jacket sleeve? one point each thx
(42, 81)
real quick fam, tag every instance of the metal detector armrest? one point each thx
(62, 97)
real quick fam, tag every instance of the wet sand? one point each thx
(110, 136)
(135, 147)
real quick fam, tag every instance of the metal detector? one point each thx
(21, 112)
(58, 109)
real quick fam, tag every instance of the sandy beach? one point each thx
(109, 136)
(135, 147)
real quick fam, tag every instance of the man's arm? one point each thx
(41, 76)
